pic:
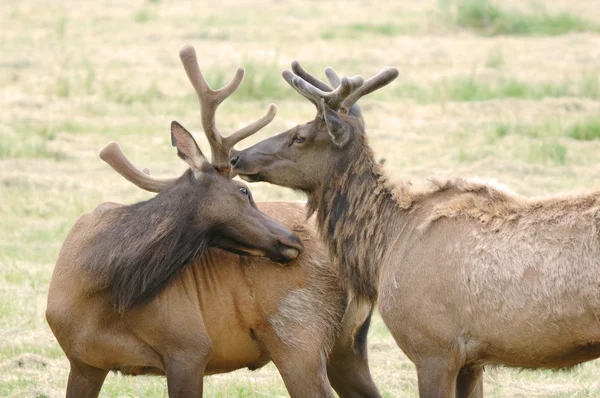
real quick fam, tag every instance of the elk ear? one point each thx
(338, 129)
(187, 148)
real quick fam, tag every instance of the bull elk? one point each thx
(466, 273)
(140, 289)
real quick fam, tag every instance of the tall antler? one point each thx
(346, 92)
(209, 100)
(114, 156)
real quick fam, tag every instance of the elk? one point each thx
(466, 273)
(134, 289)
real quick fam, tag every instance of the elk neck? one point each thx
(358, 214)
(149, 243)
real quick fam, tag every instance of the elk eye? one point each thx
(299, 140)
(244, 191)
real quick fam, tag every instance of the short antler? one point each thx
(346, 90)
(333, 78)
(314, 89)
(383, 78)
(114, 156)
(209, 100)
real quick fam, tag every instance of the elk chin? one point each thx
(287, 254)
(283, 254)
(250, 177)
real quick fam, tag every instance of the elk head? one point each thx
(220, 205)
(303, 156)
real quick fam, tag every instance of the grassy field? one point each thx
(502, 90)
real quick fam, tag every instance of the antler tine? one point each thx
(289, 78)
(335, 81)
(299, 71)
(347, 86)
(114, 156)
(332, 76)
(314, 89)
(383, 78)
(334, 98)
(245, 132)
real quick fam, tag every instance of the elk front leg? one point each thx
(350, 376)
(84, 381)
(185, 374)
(301, 361)
(304, 374)
(348, 364)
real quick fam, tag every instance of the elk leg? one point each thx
(348, 364)
(437, 378)
(350, 377)
(84, 381)
(470, 383)
(304, 375)
(185, 374)
(301, 361)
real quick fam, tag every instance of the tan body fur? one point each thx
(232, 310)
(503, 279)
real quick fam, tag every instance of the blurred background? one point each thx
(506, 90)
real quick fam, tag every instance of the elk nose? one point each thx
(233, 157)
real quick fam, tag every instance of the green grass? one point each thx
(489, 19)
(262, 81)
(216, 35)
(548, 129)
(586, 130)
(589, 86)
(501, 130)
(63, 87)
(126, 94)
(495, 58)
(143, 15)
(548, 151)
(358, 30)
(77, 77)
(27, 140)
(539, 143)
(474, 88)
(61, 27)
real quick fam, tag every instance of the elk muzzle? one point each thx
(248, 163)
(261, 235)
(287, 247)
(290, 248)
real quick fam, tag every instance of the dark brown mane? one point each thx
(148, 245)
(346, 216)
